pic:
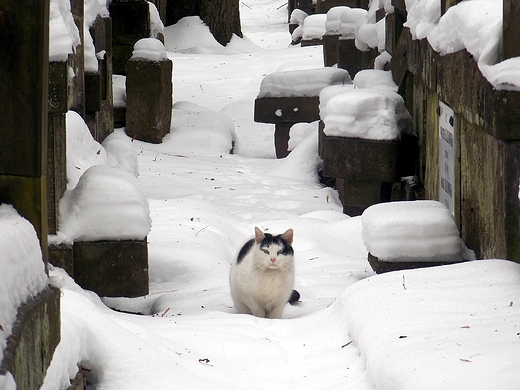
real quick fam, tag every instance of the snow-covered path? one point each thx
(204, 204)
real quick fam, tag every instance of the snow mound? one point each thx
(83, 151)
(307, 82)
(297, 16)
(473, 25)
(449, 327)
(22, 268)
(376, 79)
(190, 35)
(107, 204)
(150, 49)
(333, 23)
(63, 33)
(121, 152)
(411, 231)
(314, 26)
(377, 114)
(350, 22)
(198, 130)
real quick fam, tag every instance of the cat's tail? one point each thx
(295, 297)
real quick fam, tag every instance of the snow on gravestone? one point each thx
(416, 231)
(369, 113)
(149, 91)
(22, 270)
(106, 204)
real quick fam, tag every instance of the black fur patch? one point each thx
(245, 250)
(269, 240)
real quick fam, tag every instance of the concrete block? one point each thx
(380, 267)
(360, 159)
(58, 87)
(148, 99)
(311, 42)
(287, 109)
(112, 268)
(35, 335)
(56, 180)
(352, 59)
(62, 255)
(330, 49)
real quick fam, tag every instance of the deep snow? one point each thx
(440, 328)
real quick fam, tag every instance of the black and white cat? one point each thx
(262, 277)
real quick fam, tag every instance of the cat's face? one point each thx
(274, 252)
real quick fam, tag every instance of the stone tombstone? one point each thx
(149, 90)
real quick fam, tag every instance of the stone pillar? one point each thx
(330, 49)
(130, 23)
(23, 103)
(148, 99)
(99, 93)
(112, 268)
(24, 84)
(77, 61)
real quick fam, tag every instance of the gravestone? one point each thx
(148, 99)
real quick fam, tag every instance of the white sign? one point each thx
(447, 142)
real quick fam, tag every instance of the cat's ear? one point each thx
(288, 236)
(259, 235)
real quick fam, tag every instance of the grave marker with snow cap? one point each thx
(403, 235)
(332, 34)
(349, 56)
(289, 97)
(364, 140)
(107, 218)
(313, 30)
(149, 92)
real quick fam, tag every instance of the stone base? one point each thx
(380, 267)
(35, 335)
(311, 42)
(62, 255)
(284, 112)
(287, 109)
(352, 59)
(357, 195)
(360, 159)
(330, 49)
(112, 268)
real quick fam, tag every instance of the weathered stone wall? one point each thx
(35, 335)
(487, 140)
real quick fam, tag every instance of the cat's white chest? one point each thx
(269, 289)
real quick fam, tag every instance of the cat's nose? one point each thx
(273, 259)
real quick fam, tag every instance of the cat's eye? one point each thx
(265, 251)
(280, 252)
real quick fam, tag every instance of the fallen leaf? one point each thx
(511, 304)
(465, 360)
(465, 327)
